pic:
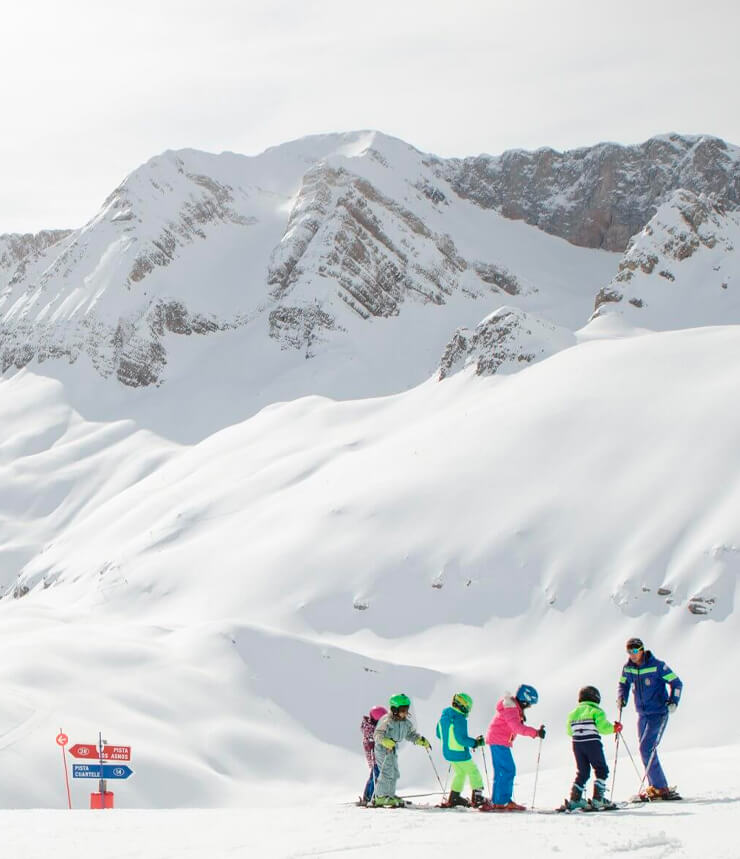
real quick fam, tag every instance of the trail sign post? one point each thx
(109, 765)
(62, 740)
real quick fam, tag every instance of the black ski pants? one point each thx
(589, 753)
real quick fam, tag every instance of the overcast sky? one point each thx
(90, 89)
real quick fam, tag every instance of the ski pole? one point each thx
(627, 749)
(431, 761)
(658, 738)
(616, 753)
(537, 771)
(447, 778)
(485, 768)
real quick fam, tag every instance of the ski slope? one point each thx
(304, 826)
(231, 608)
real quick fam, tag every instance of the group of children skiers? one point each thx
(657, 691)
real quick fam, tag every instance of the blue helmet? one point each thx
(527, 695)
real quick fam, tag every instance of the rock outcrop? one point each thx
(681, 270)
(600, 196)
(504, 341)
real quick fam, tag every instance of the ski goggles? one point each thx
(635, 649)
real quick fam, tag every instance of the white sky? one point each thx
(90, 89)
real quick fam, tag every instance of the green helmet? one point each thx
(462, 702)
(400, 700)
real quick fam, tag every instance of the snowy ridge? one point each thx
(681, 270)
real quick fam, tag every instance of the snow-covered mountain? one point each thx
(354, 248)
(280, 436)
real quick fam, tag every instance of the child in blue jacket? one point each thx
(452, 729)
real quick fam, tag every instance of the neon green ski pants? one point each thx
(465, 770)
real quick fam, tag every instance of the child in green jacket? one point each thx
(586, 724)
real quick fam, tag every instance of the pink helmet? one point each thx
(377, 713)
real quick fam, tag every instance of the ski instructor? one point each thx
(657, 693)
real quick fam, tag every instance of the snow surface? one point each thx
(231, 608)
(307, 825)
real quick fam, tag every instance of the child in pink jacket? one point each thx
(507, 723)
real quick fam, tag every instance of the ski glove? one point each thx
(541, 733)
(618, 727)
(479, 740)
(423, 741)
(388, 743)
(620, 703)
(672, 707)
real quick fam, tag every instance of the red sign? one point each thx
(92, 752)
(116, 753)
(62, 739)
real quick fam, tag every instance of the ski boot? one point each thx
(453, 800)
(599, 802)
(388, 802)
(654, 794)
(510, 806)
(576, 801)
(477, 800)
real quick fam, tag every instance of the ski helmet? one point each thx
(462, 702)
(377, 713)
(527, 695)
(589, 693)
(398, 701)
(635, 644)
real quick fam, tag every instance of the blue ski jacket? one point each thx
(452, 729)
(651, 680)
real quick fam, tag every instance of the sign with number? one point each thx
(110, 771)
(92, 752)
(62, 739)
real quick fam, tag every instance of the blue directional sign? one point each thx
(110, 771)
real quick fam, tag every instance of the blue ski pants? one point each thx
(367, 794)
(504, 770)
(649, 727)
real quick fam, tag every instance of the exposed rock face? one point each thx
(600, 196)
(17, 250)
(505, 340)
(347, 240)
(681, 269)
(346, 231)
